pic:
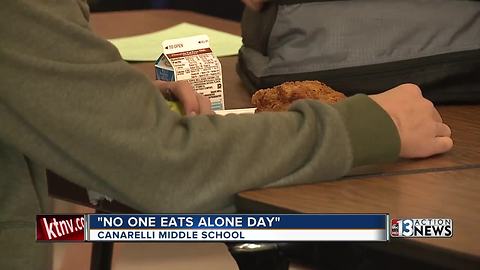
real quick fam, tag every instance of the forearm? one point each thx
(169, 163)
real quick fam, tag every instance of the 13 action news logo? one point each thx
(424, 227)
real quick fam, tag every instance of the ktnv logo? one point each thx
(422, 227)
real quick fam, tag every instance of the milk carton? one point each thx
(192, 59)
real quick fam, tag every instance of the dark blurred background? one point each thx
(228, 9)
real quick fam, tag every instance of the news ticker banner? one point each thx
(236, 227)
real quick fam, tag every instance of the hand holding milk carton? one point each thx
(192, 59)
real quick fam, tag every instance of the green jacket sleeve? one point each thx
(69, 103)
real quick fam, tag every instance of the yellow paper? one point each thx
(148, 47)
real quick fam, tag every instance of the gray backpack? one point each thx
(366, 46)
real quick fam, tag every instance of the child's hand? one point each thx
(189, 101)
(420, 126)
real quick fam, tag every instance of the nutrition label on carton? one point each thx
(192, 59)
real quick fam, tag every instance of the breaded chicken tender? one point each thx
(280, 97)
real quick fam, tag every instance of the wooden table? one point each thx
(447, 194)
(465, 127)
(443, 186)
